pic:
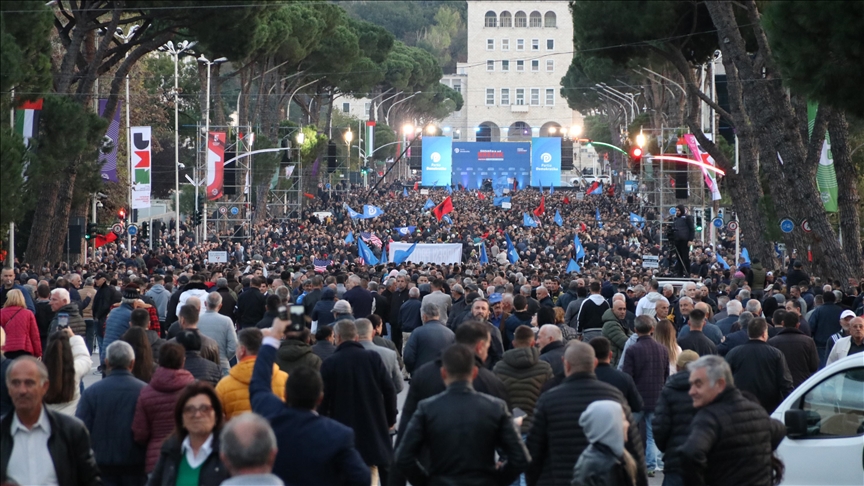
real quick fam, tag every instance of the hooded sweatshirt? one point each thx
(602, 422)
(647, 305)
(160, 296)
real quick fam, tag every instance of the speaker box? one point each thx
(680, 184)
(230, 175)
(331, 157)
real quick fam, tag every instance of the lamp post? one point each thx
(387, 116)
(209, 63)
(176, 51)
(125, 37)
(301, 137)
(628, 97)
(349, 136)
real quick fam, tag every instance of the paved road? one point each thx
(95, 376)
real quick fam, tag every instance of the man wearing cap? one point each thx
(845, 322)
(458, 306)
(439, 298)
(117, 322)
(825, 321)
(342, 310)
(851, 344)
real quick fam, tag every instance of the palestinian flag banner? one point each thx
(27, 120)
(826, 177)
(141, 164)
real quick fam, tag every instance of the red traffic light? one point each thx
(636, 153)
(121, 213)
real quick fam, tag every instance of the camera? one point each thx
(296, 317)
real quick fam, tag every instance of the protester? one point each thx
(144, 365)
(798, 349)
(672, 417)
(249, 451)
(233, 390)
(19, 323)
(605, 461)
(524, 375)
(218, 328)
(61, 304)
(426, 342)
(615, 329)
(200, 368)
(608, 374)
(324, 339)
(695, 339)
(759, 368)
(68, 361)
(296, 351)
(825, 321)
(851, 344)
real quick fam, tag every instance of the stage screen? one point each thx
(498, 162)
(437, 166)
(545, 161)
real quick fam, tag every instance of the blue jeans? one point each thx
(89, 334)
(521, 480)
(652, 454)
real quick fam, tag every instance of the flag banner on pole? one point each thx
(637, 221)
(449, 189)
(481, 196)
(528, 221)
(578, 249)
(594, 188)
(216, 165)
(722, 262)
(429, 204)
(321, 265)
(289, 170)
(108, 161)
(702, 156)
(371, 238)
(826, 177)
(366, 254)
(405, 230)
(447, 219)
(141, 163)
(351, 213)
(745, 255)
(597, 217)
(573, 267)
(404, 192)
(541, 209)
(512, 254)
(558, 219)
(445, 207)
(498, 201)
(484, 258)
(350, 238)
(370, 211)
(27, 120)
(315, 166)
(400, 256)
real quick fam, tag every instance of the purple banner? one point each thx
(108, 161)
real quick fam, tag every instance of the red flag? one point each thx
(416, 185)
(566, 200)
(102, 240)
(445, 207)
(481, 196)
(593, 187)
(541, 208)
(310, 196)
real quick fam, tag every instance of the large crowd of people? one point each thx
(283, 364)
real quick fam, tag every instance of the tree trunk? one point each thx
(848, 199)
(41, 234)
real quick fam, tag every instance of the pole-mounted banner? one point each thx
(141, 163)
(215, 165)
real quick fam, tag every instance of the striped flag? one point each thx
(321, 265)
(27, 120)
(371, 238)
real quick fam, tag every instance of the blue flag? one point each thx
(637, 221)
(499, 192)
(599, 190)
(370, 211)
(429, 204)
(405, 230)
(447, 219)
(350, 237)
(353, 214)
(449, 189)
(722, 262)
(578, 248)
(512, 254)
(484, 259)
(500, 200)
(383, 255)
(551, 189)
(558, 219)
(745, 255)
(404, 192)
(528, 221)
(597, 217)
(365, 253)
(573, 267)
(399, 256)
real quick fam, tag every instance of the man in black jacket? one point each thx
(672, 416)
(760, 368)
(38, 446)
(731, 439)
(484, 423)
(608, 374)
(427, 381)
(556, 440)
(251, 304)
(684, 232)
(798, 349)
(396, 297)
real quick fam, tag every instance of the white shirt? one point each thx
(203, 453)
(30, 462)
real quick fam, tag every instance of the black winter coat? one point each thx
(684, 228)
(552, 354)
(556, 439)
(672, 418)
(484, 425)
(761, 369)
(598, 466)
(251, 305)
(202, 369)
(165, 473)
(799, 351)
(730, 442)
(524, 376)
(622, 381)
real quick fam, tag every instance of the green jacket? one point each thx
(616, 333)
(759, 274)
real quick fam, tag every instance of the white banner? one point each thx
(217, 256)
(141, 144)
(450, 253)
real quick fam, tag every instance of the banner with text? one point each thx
(437, 167)
(108, 161)
(498, 162)
(215, 165)
(441, 253)
(141, 145)
(545, 161)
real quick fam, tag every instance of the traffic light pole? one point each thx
(93, 220)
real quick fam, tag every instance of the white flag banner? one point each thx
(440, 253)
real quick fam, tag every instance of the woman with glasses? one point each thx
(190, 456)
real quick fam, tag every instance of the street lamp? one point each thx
(209, 63)
(431, 129)
(387, 116)
(176, 51)
(640, 140)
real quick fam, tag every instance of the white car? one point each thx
(824, 419)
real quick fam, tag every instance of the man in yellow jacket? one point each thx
(233, 390)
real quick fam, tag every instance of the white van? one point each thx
(824, 419)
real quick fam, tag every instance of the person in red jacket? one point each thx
(22, 333)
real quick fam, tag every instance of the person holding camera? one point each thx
(683, 234)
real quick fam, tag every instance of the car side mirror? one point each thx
(796, 423)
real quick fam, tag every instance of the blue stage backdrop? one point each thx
(501, 162)
(545, 161)
(437, 167)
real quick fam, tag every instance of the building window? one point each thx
(520, 44)
(536, 20)
(505, 44)
(550, 65)
(550, 44)
(506, 20)
(490, 65)
(535, 96)
(521, 20)
(366, 108)
(457, 86)
(490, 96)
(535, 44)
(535, 65)
(505, 96)
(505, 65)
(520, 65)
(491, 19)
(490, 44)
(520, 96)
(346, 107)
(550, 96)
(550, 20)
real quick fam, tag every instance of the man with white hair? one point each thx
(60, 304)
(365, 333)
(361, 300)
(248, 450)
(733, 310)
(220, 329)
(550, 341)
